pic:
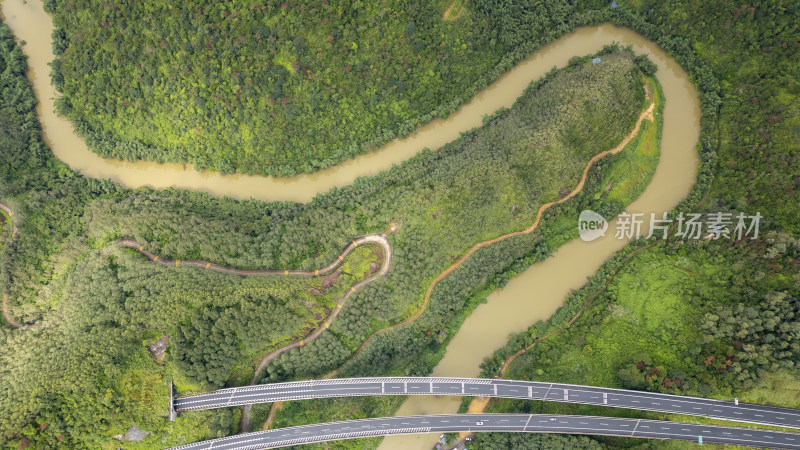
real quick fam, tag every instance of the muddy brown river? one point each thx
(537, 293)
(530, 296)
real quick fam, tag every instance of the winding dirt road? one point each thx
(379, 239)
(370, 239)
(647, 114)
(6, 316)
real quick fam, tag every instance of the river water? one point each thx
(537, 293)
(531, 296)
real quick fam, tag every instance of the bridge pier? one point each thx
(172, 414)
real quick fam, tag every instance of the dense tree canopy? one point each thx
(262, 87)
(93, 306)
(83, 374)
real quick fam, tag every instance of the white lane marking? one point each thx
(526, 423)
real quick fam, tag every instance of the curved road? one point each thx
(646, 114)
(486, 387)
(379, 239)
(523, 423)
(7, 210)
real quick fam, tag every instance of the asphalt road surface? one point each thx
(529, 423)
(480, 387)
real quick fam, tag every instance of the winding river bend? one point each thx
(31, 23)
(537, 293)
(529, 297)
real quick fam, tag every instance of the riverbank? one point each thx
(30, 23)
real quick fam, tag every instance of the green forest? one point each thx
(273, 88)
(726, 319)
(91, 308)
